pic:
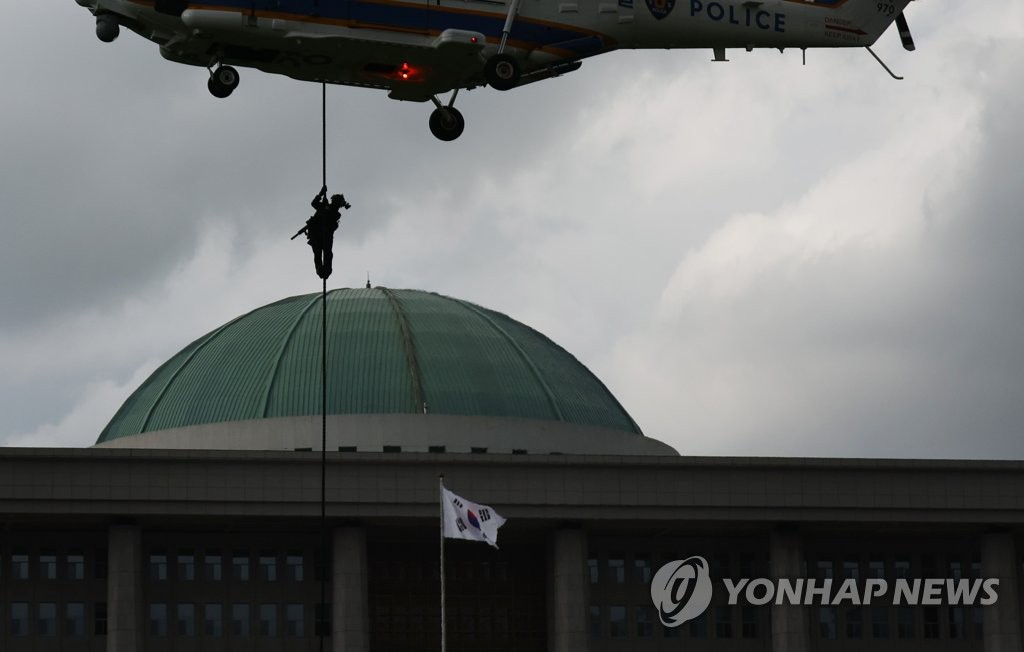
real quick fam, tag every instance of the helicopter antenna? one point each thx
(879, 60)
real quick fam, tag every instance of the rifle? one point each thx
(300, 232)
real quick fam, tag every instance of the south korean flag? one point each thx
(464, 519)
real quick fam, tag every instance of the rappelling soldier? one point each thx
(320, 229)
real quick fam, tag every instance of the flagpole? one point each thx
(440, 503)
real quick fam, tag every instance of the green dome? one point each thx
(389, 352)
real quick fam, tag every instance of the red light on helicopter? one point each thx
(403, 72)
(472, 39)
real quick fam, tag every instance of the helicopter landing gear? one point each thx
(502, 72)
(446, 122)
(223, 81)
(108, 27)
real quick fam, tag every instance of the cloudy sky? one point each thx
(758, 258)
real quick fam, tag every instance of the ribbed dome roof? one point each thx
(389, 351)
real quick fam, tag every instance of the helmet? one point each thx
(337, 200)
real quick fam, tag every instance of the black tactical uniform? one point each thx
(321, 227)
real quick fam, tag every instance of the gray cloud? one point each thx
(804, 333)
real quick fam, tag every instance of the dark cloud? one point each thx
(140, 213)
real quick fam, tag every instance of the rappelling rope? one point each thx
(323, 97)
(323, 470)
(322, 620)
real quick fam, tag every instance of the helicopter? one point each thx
(419, 50)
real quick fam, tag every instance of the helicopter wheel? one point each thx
(223, 81)
(447, 123)
(107, 27)
(502, 72)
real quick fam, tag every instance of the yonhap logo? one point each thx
(681, 590)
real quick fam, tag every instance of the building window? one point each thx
(239, 620)
(48, 566)
(749, 615)
(824, 569)
(617, 568)
(186, 566)
(212, 618)
(956, 570)
(158, 566)
(827, 623)
(212, 561)
(320, 569)
(975, 567)
(74, 623)
(99, 566)
(642, 568)
(746, 565)
(851, 569)
(268, 620)
(699, 626)
(876, 569)
(593, 570)
(295, 615)
(720, 566)
(979, 618)
(671, 632)
(240, 566)
(295, 570)
(854, 623)
(323, 620)
(99, 619)
(186, 620)
(48, 617)
(931, 622)
(158, 619)
(956, 622)
(645, 622)
(902, 567)
(905, 622)
(929, 568)
(595, 621)
(19, 566)
(268, 568)
(76, 566)
(723, 622)
(617, 621)
(880, 622)
(19, 618)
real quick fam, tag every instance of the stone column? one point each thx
(124, 589)
(567, 591)
(1002, 619)
(789, 622)
(350, 625)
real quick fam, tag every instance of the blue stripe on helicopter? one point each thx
(404, 16)
(425, 17)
